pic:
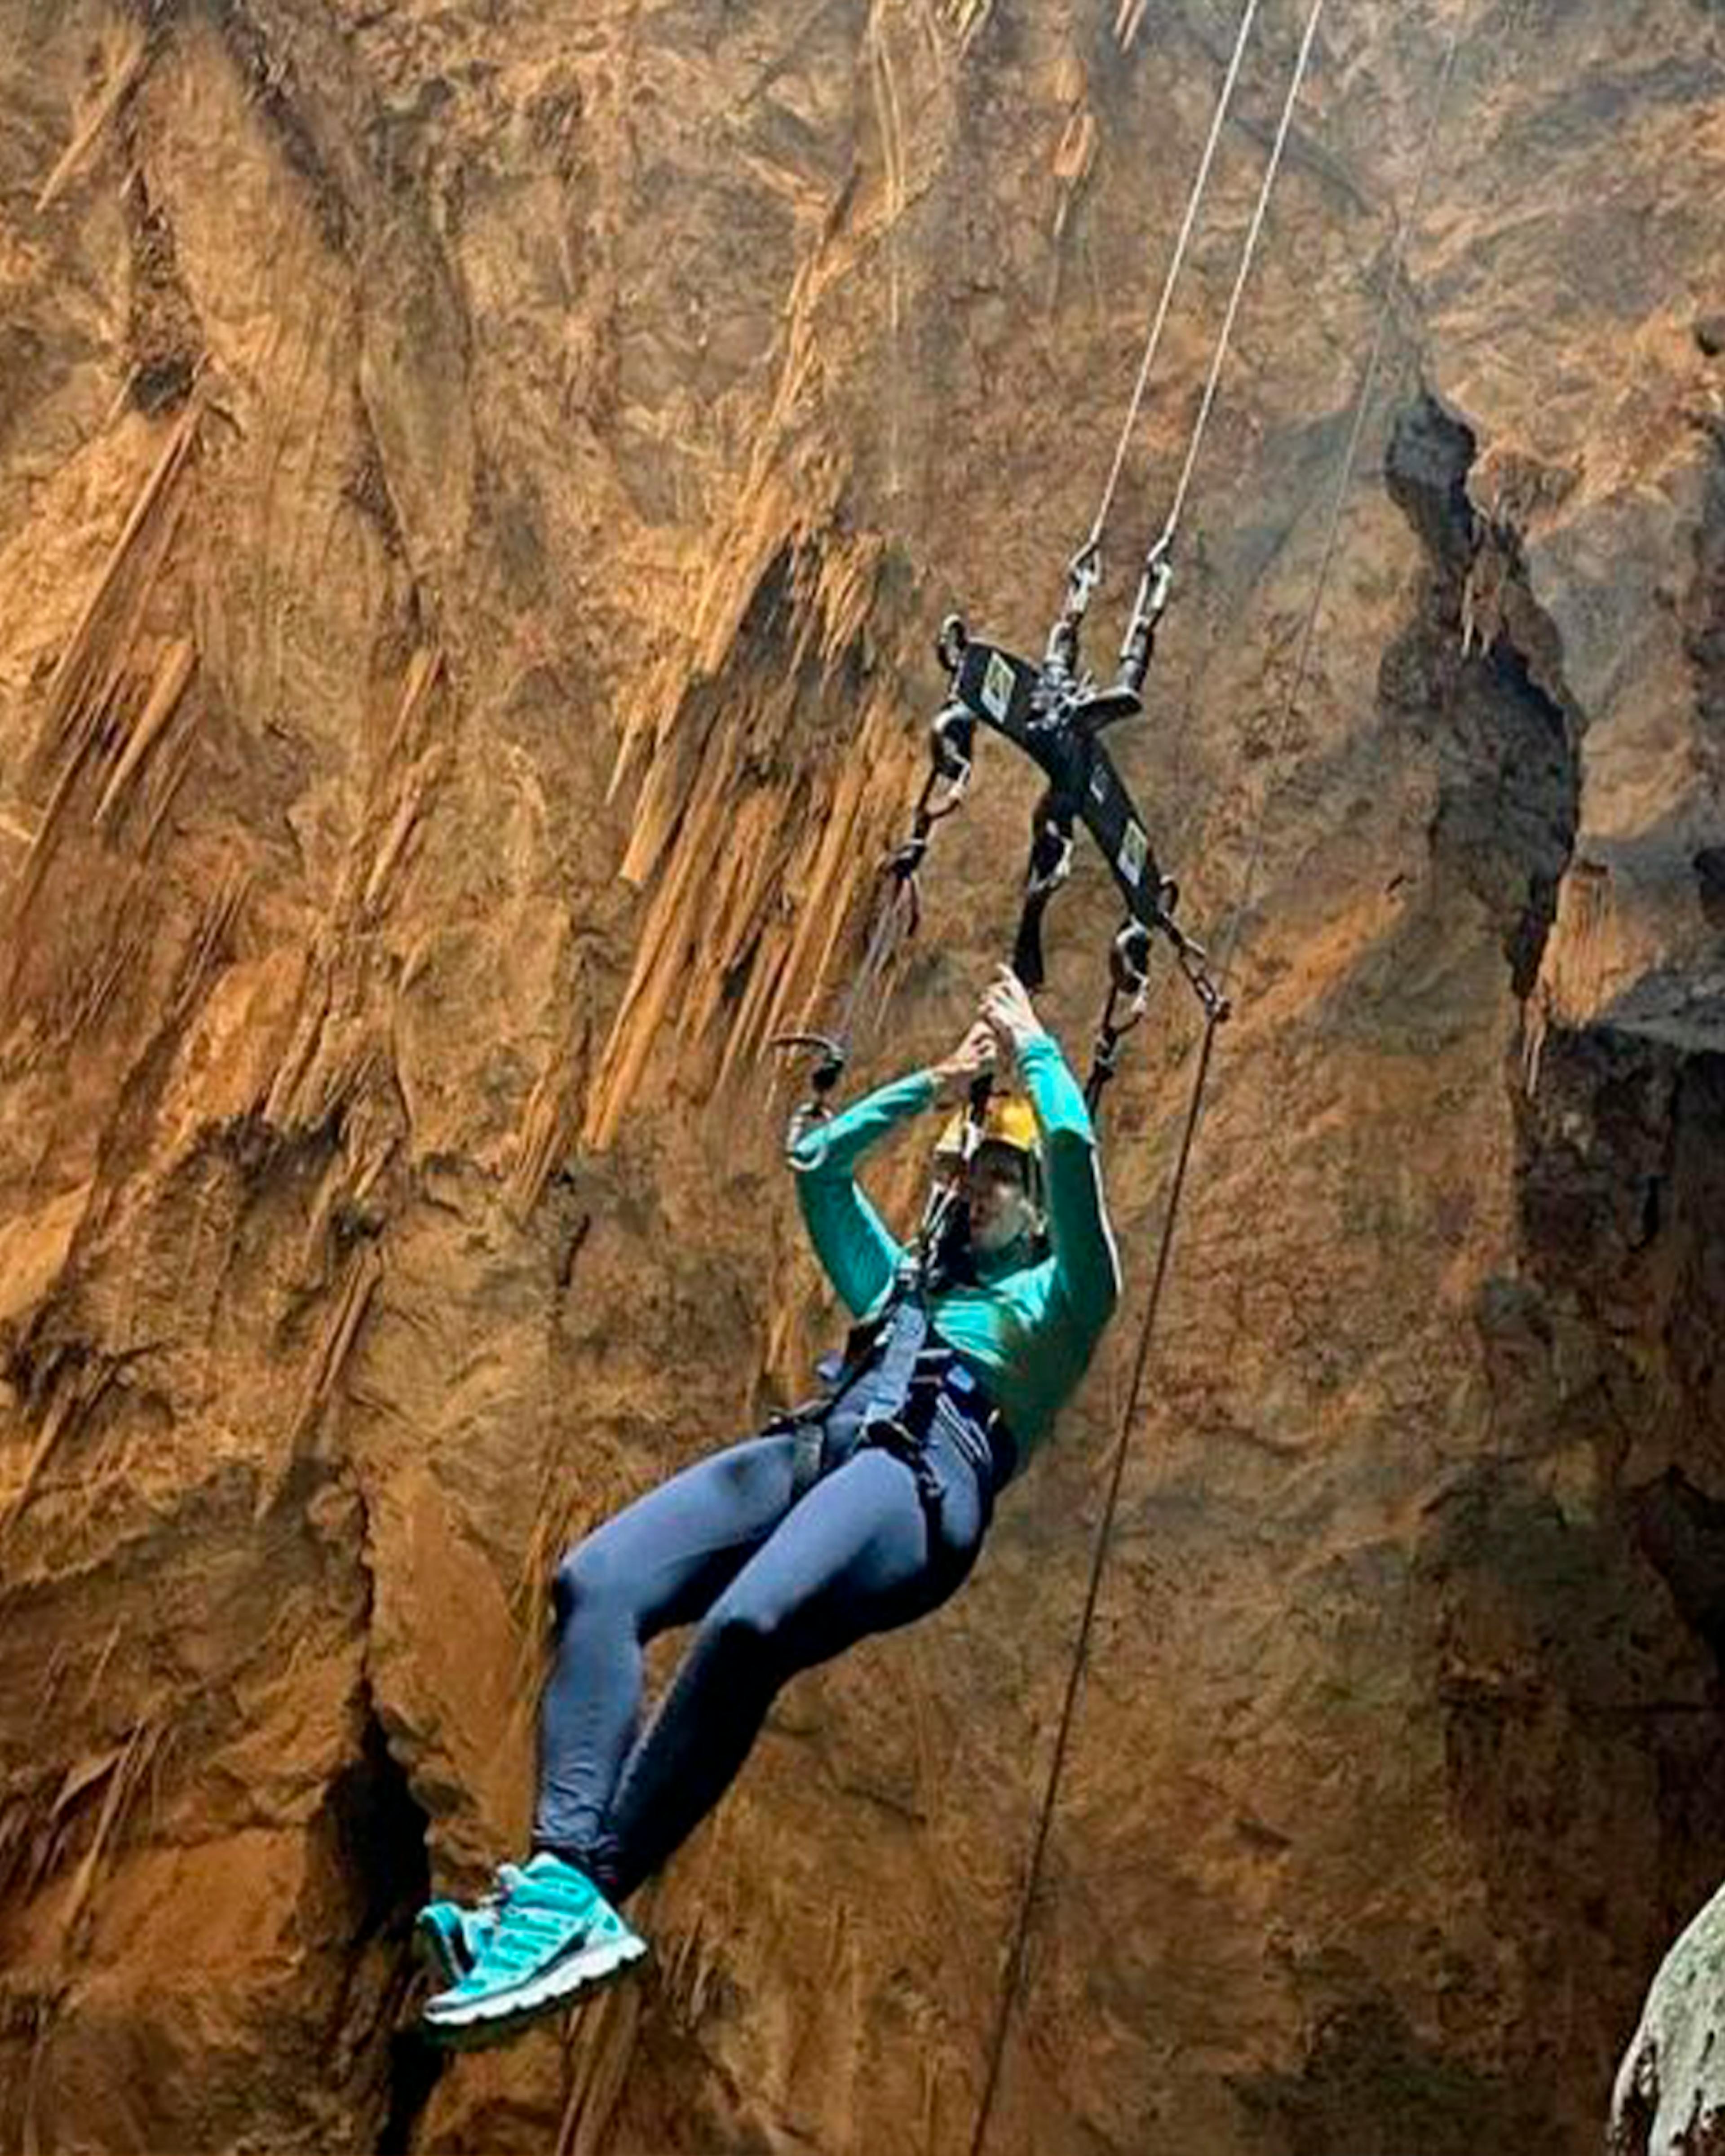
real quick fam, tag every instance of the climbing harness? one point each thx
(894, 1384)
(891, 1352)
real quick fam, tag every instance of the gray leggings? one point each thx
(775, 1586)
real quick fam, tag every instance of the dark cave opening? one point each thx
(380, 1830)
(1480, 680)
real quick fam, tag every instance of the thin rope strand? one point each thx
(884, 939)
(1362, 412)
(1152, 343)
(1069, 1707)
(1248, 255)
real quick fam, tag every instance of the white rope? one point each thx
(1152, 343)
(1362, 412)
(1248, 253)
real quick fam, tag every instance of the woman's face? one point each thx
(1001, 1208)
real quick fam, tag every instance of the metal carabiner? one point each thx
(1084, 572)
(1194, 961)
(1129, 958)
(823, 1078)
(1194, 964)
(1128, 982)
(1040, 881)
(1155, 583)
(952, 737)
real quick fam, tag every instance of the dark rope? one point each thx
(1099, 1558)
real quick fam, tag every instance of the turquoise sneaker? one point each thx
(445, 1939)
(448, 1935)
(554, 1937)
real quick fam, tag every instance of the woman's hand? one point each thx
(1008, 1014)
(972, 1059)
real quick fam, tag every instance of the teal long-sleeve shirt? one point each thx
(1029, 1325)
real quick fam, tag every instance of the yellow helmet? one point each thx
(1009, 1121)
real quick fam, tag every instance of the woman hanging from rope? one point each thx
(853, 1516)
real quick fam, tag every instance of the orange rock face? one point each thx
(476, 488)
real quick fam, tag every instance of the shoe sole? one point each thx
(495, 2021)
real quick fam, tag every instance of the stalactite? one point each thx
(173, 676)
(129, 1769)
(128, 69)
(335, 1343)
(774, 789)
(549, 1125)
(86, 695)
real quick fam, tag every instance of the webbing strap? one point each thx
(906, 1337)
(886, 1352)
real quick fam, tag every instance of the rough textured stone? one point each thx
(476, 484)
(1670, 2099)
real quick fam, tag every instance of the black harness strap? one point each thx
(885, 1351)
(1049, 866)
(885, 1348)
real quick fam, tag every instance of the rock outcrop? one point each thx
(1669, 2095)
(476, 487)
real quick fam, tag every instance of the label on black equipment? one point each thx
(1134, 852)
(998, 682)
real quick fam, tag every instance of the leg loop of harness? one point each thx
(947, 1401)
(902, 1396)
(808, 1459)
(896, 1434)
(876, 1371)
